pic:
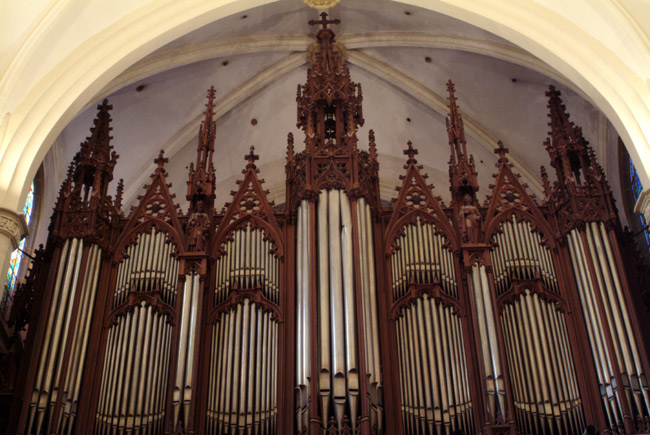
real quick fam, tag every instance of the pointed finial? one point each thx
(372, 147)
(324, 21)
(501, 151)
(160, 161)
(410, 152)
(455, 127)
(251, 157)
(545, 183)
(290, 147)
(119, 194)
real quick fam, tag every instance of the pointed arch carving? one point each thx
(509, 196)
(249, 205)
(415, 200)
(156, 207)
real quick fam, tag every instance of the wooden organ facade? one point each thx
(335, 312)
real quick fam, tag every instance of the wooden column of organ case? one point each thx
(334, 312)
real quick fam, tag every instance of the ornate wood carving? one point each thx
(134, 299)
(249, 205)
(416, 199)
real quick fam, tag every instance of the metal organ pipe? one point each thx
(546, 396)
(324, 303)
(371, 329)
(430, 344)
(182, 394)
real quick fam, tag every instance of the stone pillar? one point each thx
(12, 229)
(643, 204)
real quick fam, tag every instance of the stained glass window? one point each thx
(637, 188)
(17, 255)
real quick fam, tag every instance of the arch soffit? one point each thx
(55, 100)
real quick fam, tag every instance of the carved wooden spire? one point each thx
(581, 193)
(330, 113)
(462, 172)
(201, 183)
(94, 163)
(84, 192)
(329, 104)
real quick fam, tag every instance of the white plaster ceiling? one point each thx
(255, 63)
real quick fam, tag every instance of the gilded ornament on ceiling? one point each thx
(321, 4)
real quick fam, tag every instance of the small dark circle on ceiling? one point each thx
(243, 17)
(481, 161)
(408, 119)
(514, 80)
(253, 121)
(224, 63)
(427, 59)
(407, 13)
(140, 88)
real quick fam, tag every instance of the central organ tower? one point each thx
(335, 312)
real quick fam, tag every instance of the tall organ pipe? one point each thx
(182, 395)
(324, 303)
(371, 326)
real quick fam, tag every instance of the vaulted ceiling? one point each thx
(402, 56)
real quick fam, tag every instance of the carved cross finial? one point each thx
(160, 161)
(251, 157)
(410, 152)
(501, 151)
(324, 21)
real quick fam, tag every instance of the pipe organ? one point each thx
(336, 312)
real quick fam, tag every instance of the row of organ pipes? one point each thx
(49, 374)
(605, 311)
(242, 391)
(542, 373)
(134, 384)
(149, 265)
(434, 381)
(136, 363)
(519, 253)
(247, 263)
(422, 257)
